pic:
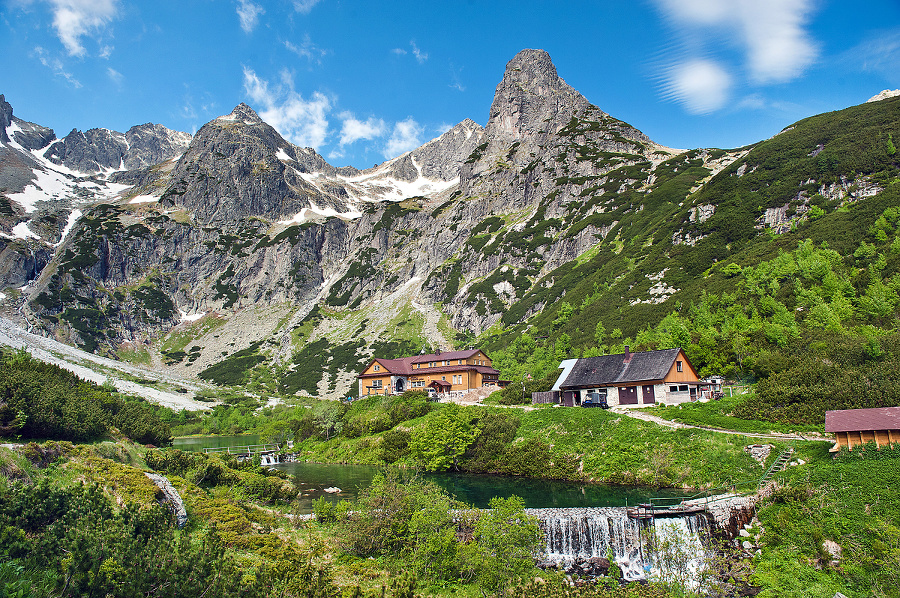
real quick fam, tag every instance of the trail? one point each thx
(87, 365)
(642, 415)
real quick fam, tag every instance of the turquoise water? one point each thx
(198, 443)
(475, 490)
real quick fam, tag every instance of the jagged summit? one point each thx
(243, 113)
(530, 92)
(531, 65)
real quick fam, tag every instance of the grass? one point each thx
(180, 336)
(718, 414)
(855, 504)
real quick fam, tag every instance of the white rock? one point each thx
(332, 490)
(744, 533)
(746, 545)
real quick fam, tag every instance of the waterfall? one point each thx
(642, 548)
(268, 459)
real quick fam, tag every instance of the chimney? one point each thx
(627, 355)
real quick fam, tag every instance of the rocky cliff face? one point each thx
(96, 150)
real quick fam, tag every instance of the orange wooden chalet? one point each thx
(853, 427)
(453, 372)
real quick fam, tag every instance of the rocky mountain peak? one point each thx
(6, 116)
(530, 93)
(242, 113)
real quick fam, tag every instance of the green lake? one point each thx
(476, 490)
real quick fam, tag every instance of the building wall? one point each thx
(879, 437)
(364, 383)
(687, 373)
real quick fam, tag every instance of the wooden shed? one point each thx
(853, 427)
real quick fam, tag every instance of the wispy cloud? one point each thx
(74, 19)
(248, 14)
(303, 122)
(115, 75)
(880, 53)
(55, 65)
(406, 136)
(354, 129)
(455, 81)
(307, 49)
(417, 52)
(700, 85)
(305, 6)
(421, 56)
(770, 36)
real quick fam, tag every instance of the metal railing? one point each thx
(671, 505)
(248, 449)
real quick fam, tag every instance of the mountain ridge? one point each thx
(482, 232)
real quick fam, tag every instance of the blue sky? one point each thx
(365, 81)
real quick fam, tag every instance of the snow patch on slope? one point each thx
(310, 213)
(74, 215)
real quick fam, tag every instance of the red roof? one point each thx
(442, 356)
(404, 365)
(854, 420)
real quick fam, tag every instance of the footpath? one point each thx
(643, 415)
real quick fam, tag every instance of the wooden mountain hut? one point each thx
(853, 427)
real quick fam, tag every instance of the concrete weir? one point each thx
(635, 543)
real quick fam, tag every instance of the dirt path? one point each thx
(643, 415)
(101, 370)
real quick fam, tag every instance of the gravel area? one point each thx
(102, 370)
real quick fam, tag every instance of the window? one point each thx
(673, 389)
(459, 362)
(376, 383)
(444, 378)
(377, 367)
(417, 383)
(679, 366)
(683, 388)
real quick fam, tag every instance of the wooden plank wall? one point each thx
(856, 438)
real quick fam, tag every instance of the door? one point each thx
(628, 395)
(649, 395)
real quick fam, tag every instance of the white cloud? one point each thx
(702, 86)
(421, 56)
(56, 65)
(307, 49)
(115, 75)
(399, 51)
(248, 14)
(303, 122)
(73, 19)
(779, 47)
(405, 137)
(354, 129)
(443, 128)
(771, 33)
(304, 6)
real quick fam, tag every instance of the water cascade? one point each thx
(643, 549)
(268, 459)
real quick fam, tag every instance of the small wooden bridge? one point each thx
(247, 451)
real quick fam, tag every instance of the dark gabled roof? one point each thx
(609, 370)
(858, 420)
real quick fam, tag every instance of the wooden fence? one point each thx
(543, 398)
